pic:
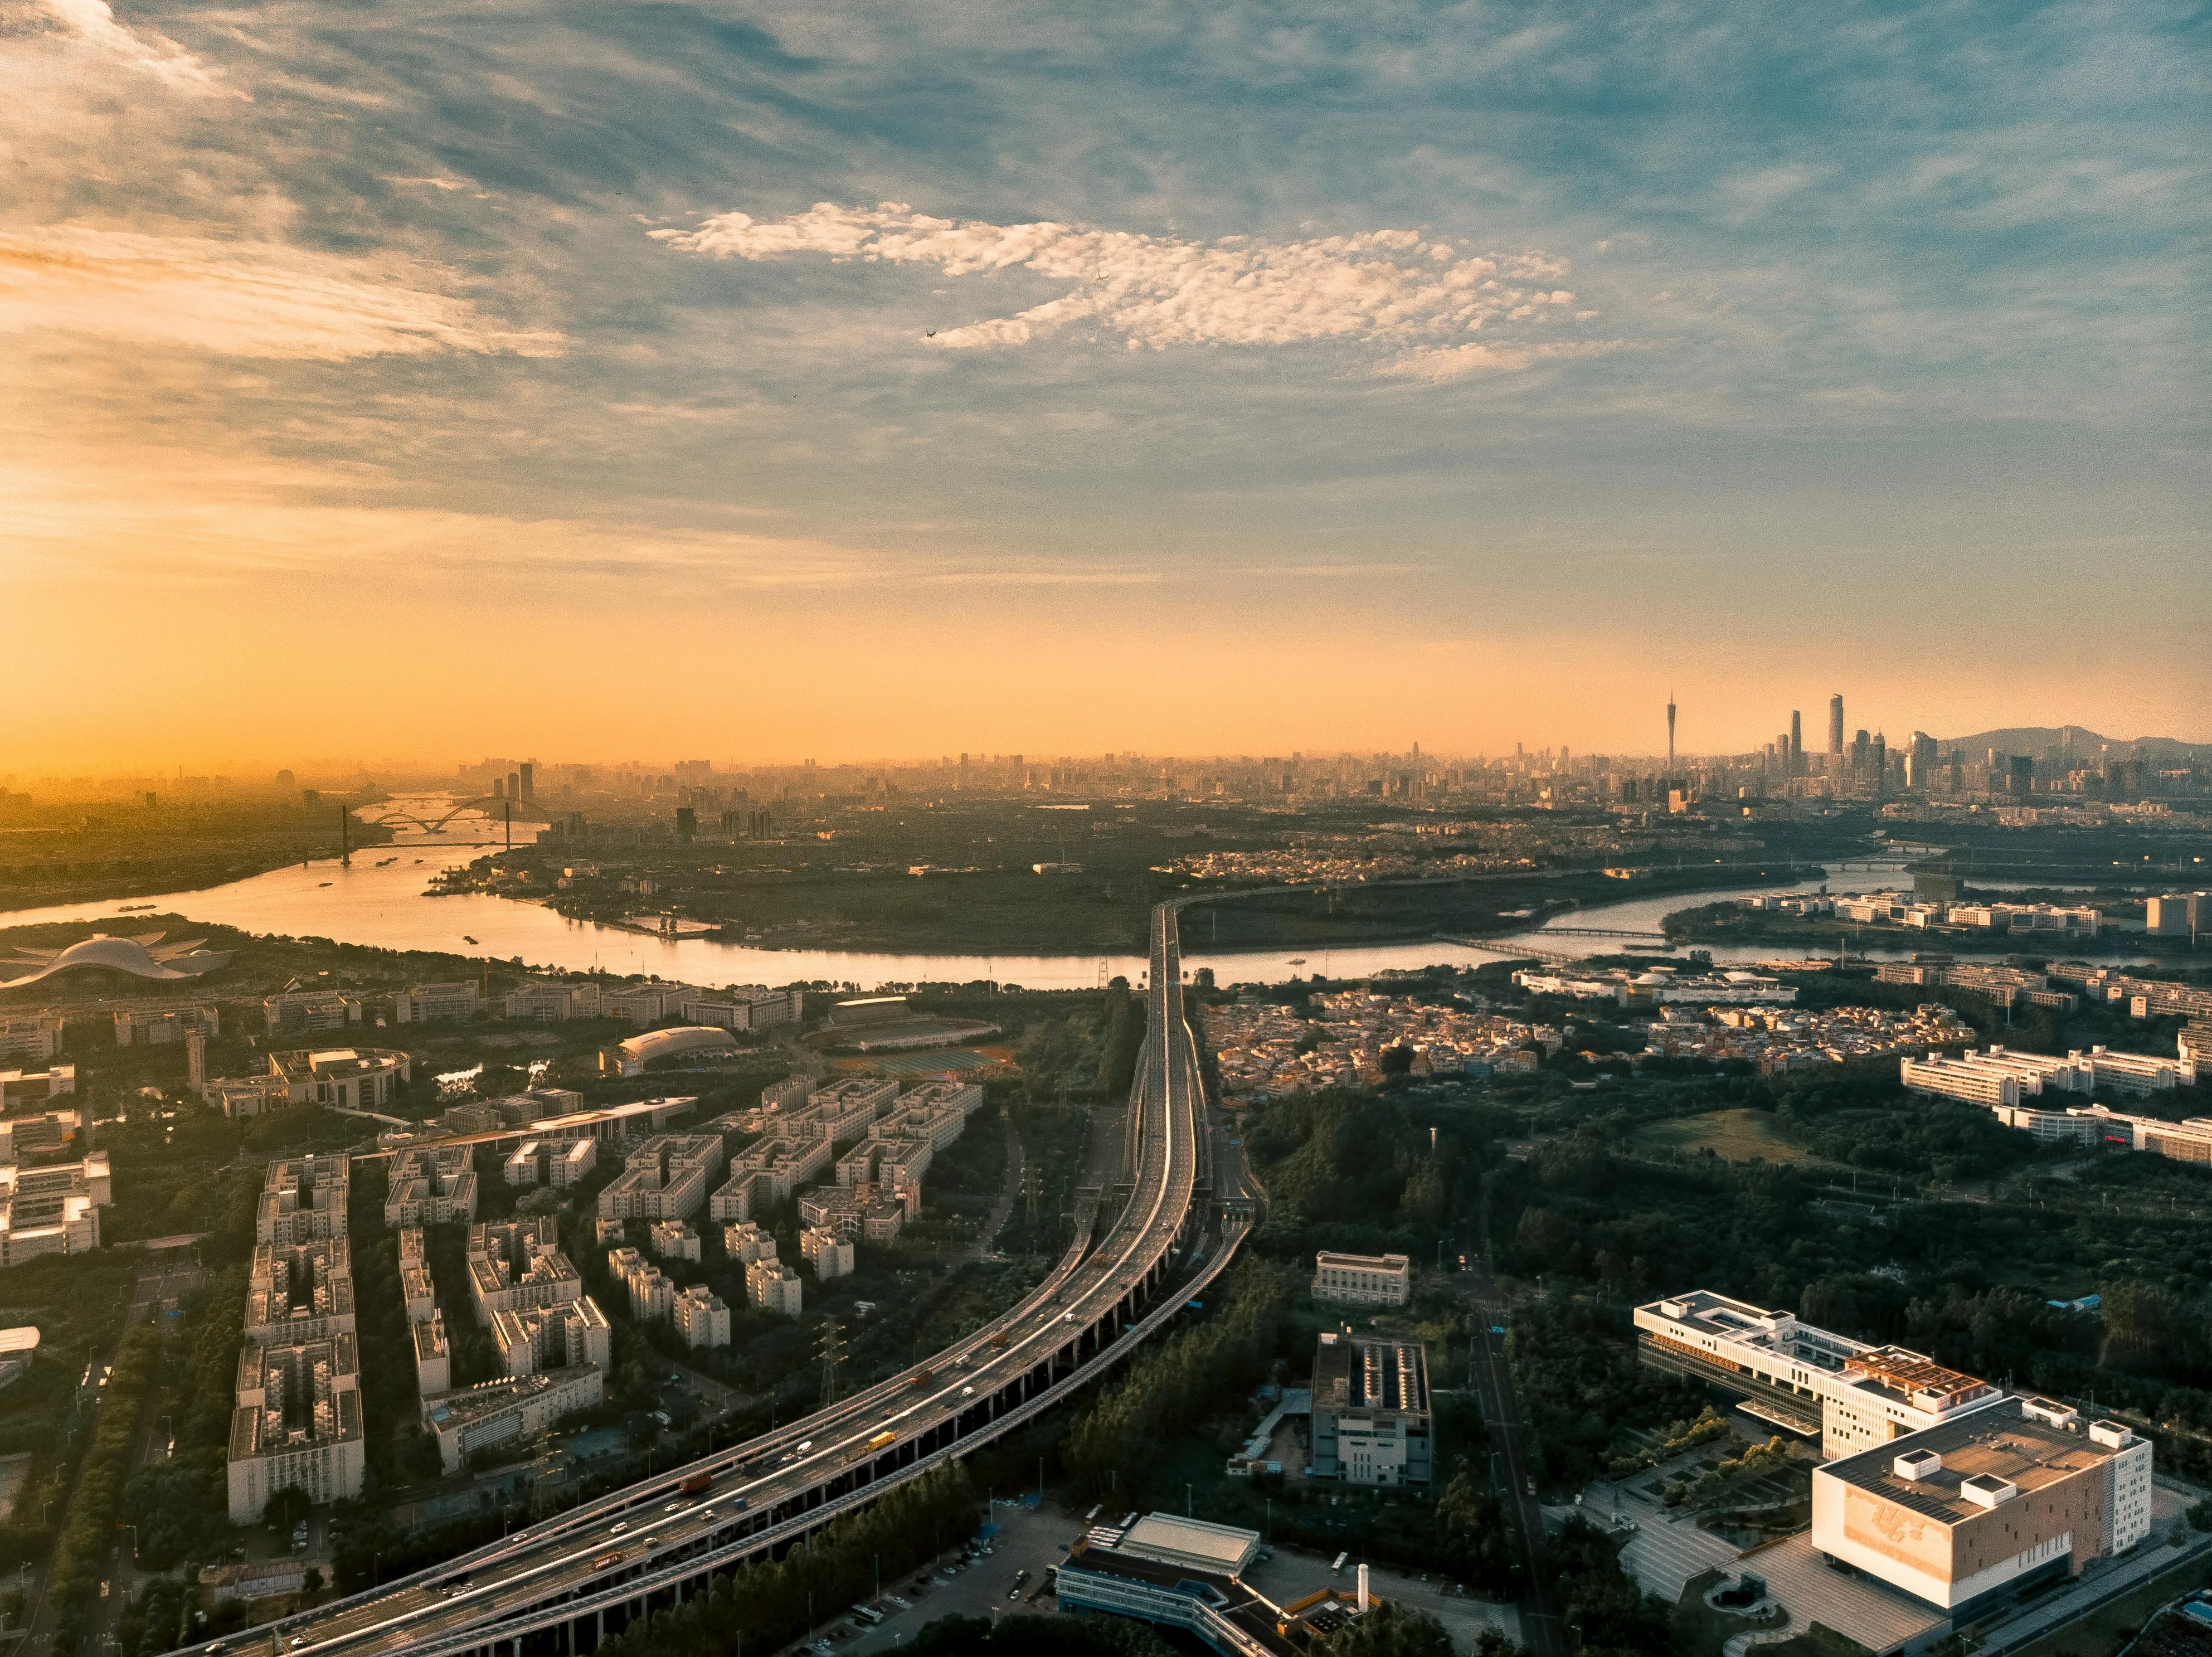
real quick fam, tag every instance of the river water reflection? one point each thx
(380, 903)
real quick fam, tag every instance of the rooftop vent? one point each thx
(1985, 1491)
(1915, 1464)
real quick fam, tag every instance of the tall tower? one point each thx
(1835, 724)
(1670, 730)
(1796, 743)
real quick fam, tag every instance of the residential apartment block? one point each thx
(53, 1210)
(420, 1003)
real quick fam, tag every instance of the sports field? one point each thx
(1736, 1136)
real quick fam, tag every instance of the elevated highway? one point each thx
(556, 1588)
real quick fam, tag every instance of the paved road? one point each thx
(1501, 1414)
(652, 1532)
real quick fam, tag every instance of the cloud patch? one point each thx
(1441, 362)
(237, 299)
(1390, 288)
(92, 22)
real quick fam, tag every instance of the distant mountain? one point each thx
(2033, 739)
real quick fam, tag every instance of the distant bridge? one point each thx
(1595, 932)
(497, 807)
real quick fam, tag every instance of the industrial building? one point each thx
(1986, 1505)
(1371, 1411)
(1361, 1279)
(1855, 1396)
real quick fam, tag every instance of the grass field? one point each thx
(1736, 1136)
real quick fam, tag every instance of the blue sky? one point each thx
(1036, 378)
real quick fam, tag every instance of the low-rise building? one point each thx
(49, 1130)
(1372, 1422)
(310, 1012)
(1952, 1078)
(26, 1090)
(504, 1412)
(701, 1319)
(242, 1097)
(420, 1003)
(53, 1210)
(1968, 1514)
(1806, 1379)
(159, 1024)
(343, 1078)
(1361, 1279)
(35, 1036)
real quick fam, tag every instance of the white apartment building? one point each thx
(565, 1335)
(1361, 1279)
(745, 1243)
(701, 1318)
(430, 1186)
(666, 1178)
(420, 1004)
(297, 1423)
(829, 1254)
(673, 1239)
(1807, 1379)
(774, 1288)
(1951, 1078)
(159, 1026)
(434, 1356)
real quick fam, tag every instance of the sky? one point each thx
(651, 378)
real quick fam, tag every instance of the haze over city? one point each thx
(996, 827)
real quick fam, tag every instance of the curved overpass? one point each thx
(554, 1588)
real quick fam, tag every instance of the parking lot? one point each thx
(1028, 1538)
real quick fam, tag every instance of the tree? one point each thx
(1389, 1629)
(288, 1507)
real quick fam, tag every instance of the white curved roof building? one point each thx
(143, 956)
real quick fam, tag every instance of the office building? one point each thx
(422, 1004)
(1976, 1511)
(22, 1090)
(701, 1319)
(28, 1136)
(53, 1210)
(1835, 729)
(158, 1025)
(342, 1078)
(35, 1037)
(240, 1097)
(1371, 1411)
(1805, 1379)
(1361, 1279)
(310, 1012)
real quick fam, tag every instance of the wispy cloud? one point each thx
(1380, 287)
(93, 21)
(238, 299)
(1443, 362)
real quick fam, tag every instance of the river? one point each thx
(381, 904)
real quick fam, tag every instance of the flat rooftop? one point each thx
(1996, 1444)
(1167, 1537)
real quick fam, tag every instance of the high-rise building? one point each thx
(1835, 724)
(1796, 743)
(2020, 776)
(1878, 764)
(1670, 730)
(529, 780)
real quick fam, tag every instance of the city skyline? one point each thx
(842, 384)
